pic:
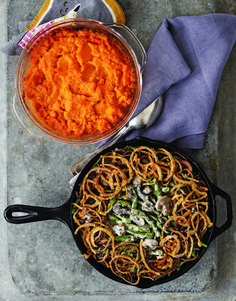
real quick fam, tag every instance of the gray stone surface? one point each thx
(40, 261)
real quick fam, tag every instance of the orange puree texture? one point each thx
(79, 82)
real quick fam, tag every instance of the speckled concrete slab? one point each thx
(43, 258)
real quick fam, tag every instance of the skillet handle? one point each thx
(20, 214)
(229, 211)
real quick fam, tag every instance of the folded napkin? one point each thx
(184, 62)
(101, 10)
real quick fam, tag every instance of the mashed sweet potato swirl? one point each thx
(127, 229)
(79, 82)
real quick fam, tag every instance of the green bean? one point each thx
(193, 253)
(160, 226)
(153, 217)
(98, 161)
(134, 201)
(140, 202)
(118, 218)
(158, 213)
(123, 202)
(148, 220)
(125, 220)
(113, 218)
(151, 183)
(140, 234)
(125, 238)
(111, 203)
(136, 228)
(165, 189)
(179, 266)
(162, 275)
(131, 147)
(157, 189)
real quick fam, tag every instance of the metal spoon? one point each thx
(143, 120)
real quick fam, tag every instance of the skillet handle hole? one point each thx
(221, 211)
(19, 214)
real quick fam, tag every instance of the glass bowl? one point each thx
(126, 41)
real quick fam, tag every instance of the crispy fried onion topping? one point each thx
(181, 233)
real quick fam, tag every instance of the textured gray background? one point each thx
(40, 261)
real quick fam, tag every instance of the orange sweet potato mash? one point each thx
(79, 82)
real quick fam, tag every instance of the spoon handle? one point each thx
(79, 165)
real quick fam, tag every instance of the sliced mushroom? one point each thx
(119, 229)
(147, 190)
(127, 210)
(137, 181)
(166, 210)
(142, 195)
(138, 220)
(119, 209)
(150, 244)
(163, 204)
(86, 218)
(130, 192)
(162, 219)
(162, 200)
(148, 206)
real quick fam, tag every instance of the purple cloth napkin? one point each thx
(185, 62)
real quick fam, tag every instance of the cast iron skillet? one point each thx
(63, 213)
